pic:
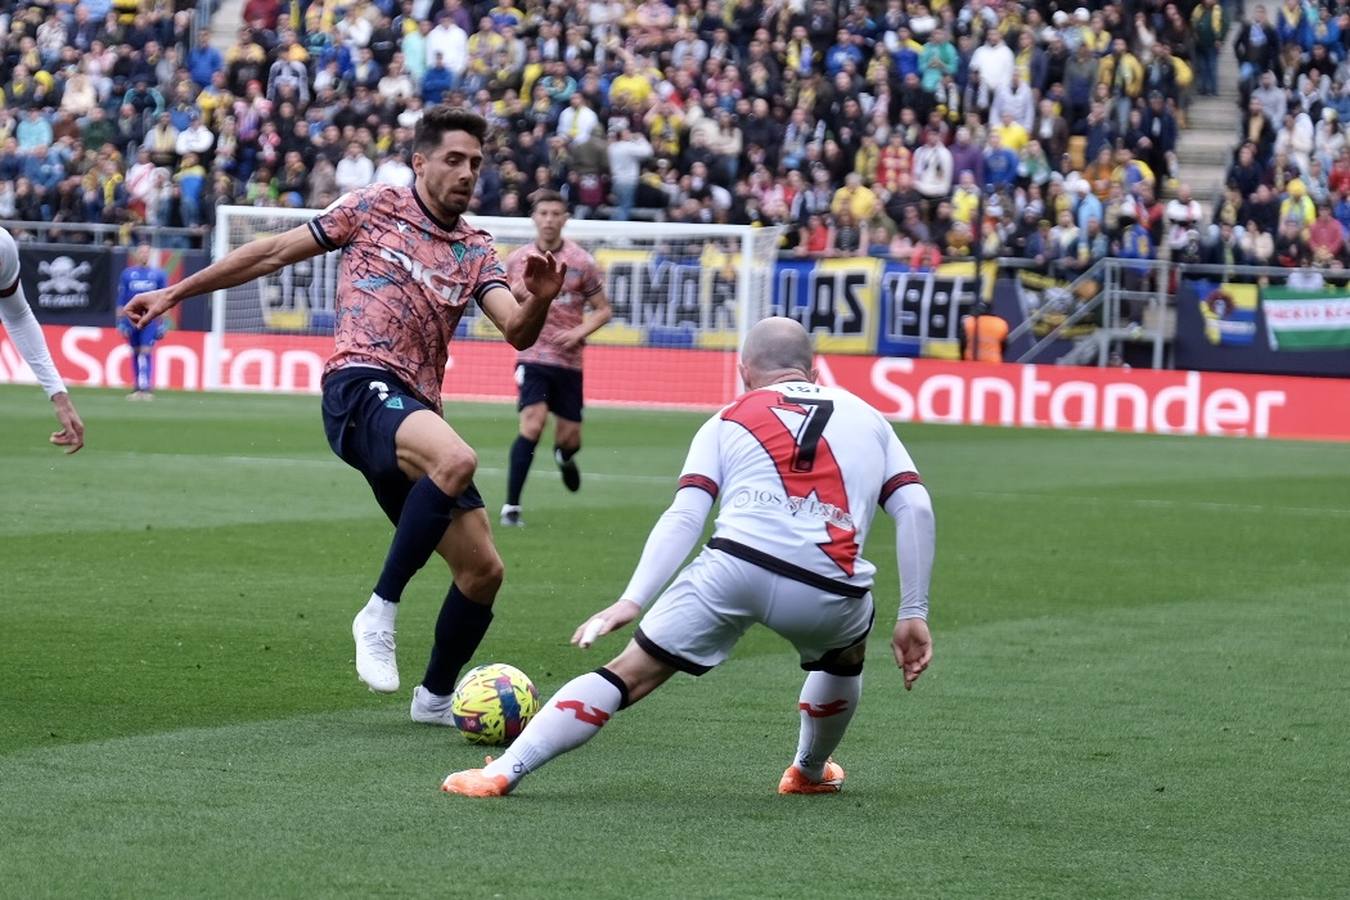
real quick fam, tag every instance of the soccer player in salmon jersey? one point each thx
(411, 264)
(549, 373)
(800, 469)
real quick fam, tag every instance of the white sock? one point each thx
(381, 611)
(826, 705)
(569, 719)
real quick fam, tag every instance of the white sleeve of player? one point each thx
(906, 500)
(19, 321)
(679, 527)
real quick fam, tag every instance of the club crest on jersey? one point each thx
(443, 287)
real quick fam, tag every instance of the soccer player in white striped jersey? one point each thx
(800, 470)
(26, 335)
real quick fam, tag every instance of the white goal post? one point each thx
(683, 295)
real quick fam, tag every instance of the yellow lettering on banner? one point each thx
(844, 305)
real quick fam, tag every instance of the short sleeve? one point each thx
(899, 467)
(491, 274)
(9, 263)
(703, 466)
(594, 280)
(336, 226)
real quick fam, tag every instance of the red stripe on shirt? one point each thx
(895, 483)
(702, 482)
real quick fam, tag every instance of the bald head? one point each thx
(776, 349)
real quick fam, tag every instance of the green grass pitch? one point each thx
(1141, 684)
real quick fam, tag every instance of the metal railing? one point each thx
(1136, 302)
(109, 234)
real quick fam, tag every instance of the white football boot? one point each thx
(375, 662)
(429, 709)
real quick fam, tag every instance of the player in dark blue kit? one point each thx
(139, 278)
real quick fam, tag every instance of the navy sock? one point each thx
(565, 452)
(522, 455)
(459, 630)
(426, 514)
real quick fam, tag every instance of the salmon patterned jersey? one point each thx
(583, 282)
(404, 283)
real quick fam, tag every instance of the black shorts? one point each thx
(557, 386)
(362, 410)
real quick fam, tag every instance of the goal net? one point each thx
(683, 297)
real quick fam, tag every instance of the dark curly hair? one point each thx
(440, 120)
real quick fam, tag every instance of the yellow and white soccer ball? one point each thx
(492, 704)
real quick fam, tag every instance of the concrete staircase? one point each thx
(225, 24)
(1206, 147)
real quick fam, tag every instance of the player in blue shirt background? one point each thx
(140, 277)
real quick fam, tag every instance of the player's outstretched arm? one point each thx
(519, 313)
(253, 260)
(915, 544)
(673, 536)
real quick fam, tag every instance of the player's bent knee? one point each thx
(532, 420)
(625, 698)
(639, 671)
(847, 664)
(567, 435)
(483, 580)
(453, 470)
(843, 670)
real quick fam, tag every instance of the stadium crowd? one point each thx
(904, 128)
(1287, 189)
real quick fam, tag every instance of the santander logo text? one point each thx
(1088, 399)
(906, 390)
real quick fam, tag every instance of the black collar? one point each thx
(447, 227)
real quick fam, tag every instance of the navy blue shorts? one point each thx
(362, 410)
(557, 386)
